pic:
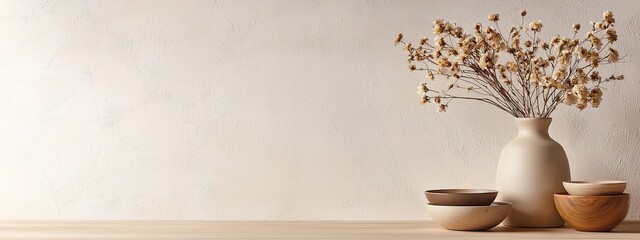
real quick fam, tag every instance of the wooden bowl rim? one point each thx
(567, 195)
(598, 182)
(493, 205)
(460, 191)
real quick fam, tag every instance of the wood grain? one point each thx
(592, 213)
(288, 230)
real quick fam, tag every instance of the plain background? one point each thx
(267, 110)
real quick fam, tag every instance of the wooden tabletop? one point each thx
(287, 230)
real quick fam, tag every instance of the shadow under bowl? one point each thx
(461, 197)
(469, 218)
(592, 213)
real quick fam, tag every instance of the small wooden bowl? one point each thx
(595, 188)
(592, 213)
(461, 197)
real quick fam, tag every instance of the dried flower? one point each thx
(608, 17)
(408, 47)
(580, 90)
(486, 61)
(436, 54)
(582, 52)
(596, 97)
(398, 39)
(438, 26)
(512, 66)
(422, 89)
(576, 27)
(536, 26)
(438, 29)
(595, 76)
(595, 41)
(443, 62)
(594, 58)
(613, 55)
(430, 75)
(424, 41)
(570, 98)
(494, 17)
(523, 12)
(425, 99)
(477, 27)
(442, 108)
(440, 42)
(598, 26)
(555, 40)
(515, 40)
(454, 68)
(544, 45)
(612, 35)
(412, 67)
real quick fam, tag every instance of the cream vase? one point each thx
(531, 169)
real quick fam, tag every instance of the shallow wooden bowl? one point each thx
(592, 213)
(461, 197)
(595, 188)
(469, 218)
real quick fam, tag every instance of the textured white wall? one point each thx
(264, 110)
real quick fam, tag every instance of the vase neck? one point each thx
(533, 126)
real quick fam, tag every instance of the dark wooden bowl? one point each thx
(461, 197)
(592, 213)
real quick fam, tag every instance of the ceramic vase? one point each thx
(531, 169)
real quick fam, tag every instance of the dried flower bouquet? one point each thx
(536, 77)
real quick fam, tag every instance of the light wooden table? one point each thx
(287, 230)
